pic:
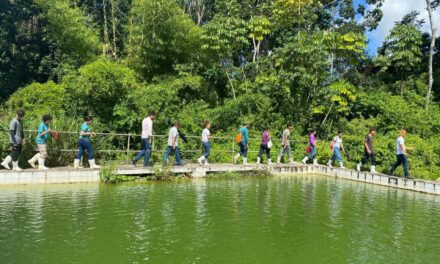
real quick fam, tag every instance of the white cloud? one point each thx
(394, 10)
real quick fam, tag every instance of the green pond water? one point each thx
(279, 219)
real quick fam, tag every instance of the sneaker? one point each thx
(133, 161)
(304, 161)
(329, 163)
(236, 157)
(6, 165)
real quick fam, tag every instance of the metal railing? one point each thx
(225, 146)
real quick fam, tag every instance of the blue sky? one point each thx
(394, 10)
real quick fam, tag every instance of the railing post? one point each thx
(233, 150)
(152, 146)
(128, 148)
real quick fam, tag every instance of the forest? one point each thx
(267, 62)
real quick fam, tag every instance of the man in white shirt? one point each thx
(401, 154)
(147, 139)
(206, 135)
(173, 144)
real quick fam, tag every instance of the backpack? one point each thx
(238, 138)
(308, 149)
(333, 143)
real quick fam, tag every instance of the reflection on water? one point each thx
(278, 219)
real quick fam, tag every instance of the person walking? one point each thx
(147, 140)
(243, 138)
(206, 136)
(337, 147)
(285, 144)
(401, 155)
(313, 147)
(173, 144)
(16, 139)
(85, 144)
(369, 154)
(42, 137)
(264, 146)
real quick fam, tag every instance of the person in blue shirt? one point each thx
(42, 137)
(244, 143)
(85, 144)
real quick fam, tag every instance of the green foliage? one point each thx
(224, 35)
(348, 45)
(160, 37)
(23, 46)
(336, 98)
(70, 29)
(288, 13)
(259, 27)
(401, 48)
(109, 174)
(401, 51)
(99, 88)
(166, 97)
(38, 99)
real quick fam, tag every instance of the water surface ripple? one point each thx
(307, 219)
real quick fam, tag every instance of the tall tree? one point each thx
(430, 6)
(115, 15)
(223, 39)
(401, 51)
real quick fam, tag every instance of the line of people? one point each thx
(17, 140)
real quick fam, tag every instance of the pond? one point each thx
(274, 219)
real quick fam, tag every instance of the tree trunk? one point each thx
(232, 85)
(112, 2)
(299, 16)
(254, 58)
(431, 53)
(328, 113)
(401, 87)
(106, 42)
(332, 61)
(258, 49)
(200, 14)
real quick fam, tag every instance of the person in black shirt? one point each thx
(369, 153)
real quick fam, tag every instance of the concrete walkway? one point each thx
(70, 175)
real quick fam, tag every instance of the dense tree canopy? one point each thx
(267, 62)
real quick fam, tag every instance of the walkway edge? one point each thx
(70, 175)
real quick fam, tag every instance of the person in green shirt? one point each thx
(42, 137)
(85, 144)
(244, 143)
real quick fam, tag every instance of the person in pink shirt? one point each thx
(264, 146)
(313, 146)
